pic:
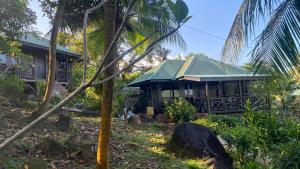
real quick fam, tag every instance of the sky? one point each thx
(204, 33)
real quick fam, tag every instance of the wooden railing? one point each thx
(233, 104)
(62, 76)
(228, 104)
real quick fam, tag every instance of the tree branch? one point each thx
(84, 86)
(86, 15)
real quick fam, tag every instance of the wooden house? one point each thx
(211, 86)
(38, 48)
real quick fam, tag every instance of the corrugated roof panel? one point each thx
(30, 38)
(194, 66)
(166, 70)
(201, 65)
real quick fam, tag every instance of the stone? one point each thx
(135, 121)
(36, 164)
(3, 123)
(145, 118)
(6, 103)
(162, 118)
(64, 123)
(83, 145)
(52, 147)
(200, 141)
(13, 115)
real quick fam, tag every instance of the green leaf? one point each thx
(187, 19)
(181, 10)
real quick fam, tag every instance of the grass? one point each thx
(147, 148)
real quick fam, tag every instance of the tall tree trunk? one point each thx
(107, 95)
(51, 60)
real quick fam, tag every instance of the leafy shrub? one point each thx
(41, 88)
(208, 123)
(11, 87)
(118, 104)
(290, 156)
(180, 110)
(252, 165)
(230, 121)
(56, 98)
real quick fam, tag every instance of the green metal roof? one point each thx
(193, 66)
(202, 66)
(40, 42)
(167, 70)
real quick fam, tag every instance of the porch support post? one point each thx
(67, 73)
(241, 89)
(157, 98)
(220, 89)
(181, 90)
(241, 93)
(207, 96)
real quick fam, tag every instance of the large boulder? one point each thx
(64, 123)
(201, 142)
(82, 144)
(4, 123)
(13, 115)
(162, 118)
(52, 147)
(135, 121)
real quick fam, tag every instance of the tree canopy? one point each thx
(15, 18)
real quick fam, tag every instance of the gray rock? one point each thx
(3, 123)
(6, 103)
(37, 164)
(200, 141)
(52, 147)
(135, 121)
(84, 145)
(64, 123)
(13, 115)
(162, 118)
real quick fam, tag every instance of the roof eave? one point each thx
(76, 56)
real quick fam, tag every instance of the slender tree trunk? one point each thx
(107, 95)
(51, 60)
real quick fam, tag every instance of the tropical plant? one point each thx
(180, 110)
(277, 46)
(15, 18)
(11, 87)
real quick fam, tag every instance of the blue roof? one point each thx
(40, 42)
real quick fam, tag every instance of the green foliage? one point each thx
(289, 158)
(11, 87)
(118, 104)
(41, 88)
(15, 18)
(180, 110)
(258, 139)
(252, 165)
(56, 98)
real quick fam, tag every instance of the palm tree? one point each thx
(277, 46)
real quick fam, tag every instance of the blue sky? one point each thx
(210, 16)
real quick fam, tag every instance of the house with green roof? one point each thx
(210, 85)
(38, 48)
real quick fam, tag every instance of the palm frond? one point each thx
(278, 45)
(245, 22)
